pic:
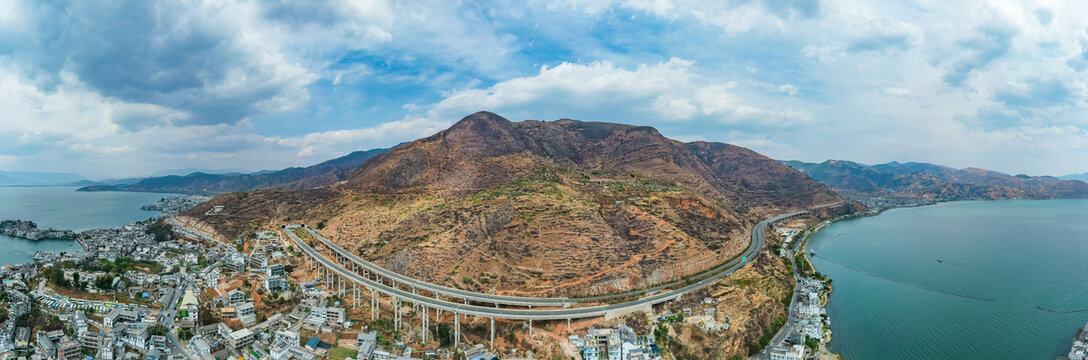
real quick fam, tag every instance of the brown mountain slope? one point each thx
(543, 208)
(484, 150)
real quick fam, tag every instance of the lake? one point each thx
(1010, 283)
(62, 207)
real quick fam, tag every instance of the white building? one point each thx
(275, 282)
(118, 316)
(246, 313)
(275, 270)
(240, 339)
(235, 297)
(795, 352)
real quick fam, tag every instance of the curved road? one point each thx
(439, 289)
(540, 314)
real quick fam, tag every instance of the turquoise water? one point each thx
(18, 251)
(65, 208)
(1002, 262)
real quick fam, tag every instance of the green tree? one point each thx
(445, 335)
(184, 334)
(158, 329)
(104, 282)
(162, 230)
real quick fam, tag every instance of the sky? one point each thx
(113, 89)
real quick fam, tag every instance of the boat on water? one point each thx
(939, 260)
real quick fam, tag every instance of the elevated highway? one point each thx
(343, 279)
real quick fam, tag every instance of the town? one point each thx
(806, 331)
(155, 290)
(29, 230)
(175, 204)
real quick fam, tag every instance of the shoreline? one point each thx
(826, 353)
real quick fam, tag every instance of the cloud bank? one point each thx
(128, 88)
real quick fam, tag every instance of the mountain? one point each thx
(1080, 177)
(538, 207)
(318, 175)
(33, 178)
(169, 172)
(121, 181)
(929, 181)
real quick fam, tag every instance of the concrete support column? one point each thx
(530, 328)
(423, 324)
(492, 333)
(456, 330)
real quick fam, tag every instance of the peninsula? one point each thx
(29, 230)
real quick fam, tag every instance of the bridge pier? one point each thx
(492, 333)
(423, 324)
(456, 330)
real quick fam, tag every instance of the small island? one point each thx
(29, 230)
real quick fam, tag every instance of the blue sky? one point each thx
(128, 88)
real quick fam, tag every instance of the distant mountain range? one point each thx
(923, 180)
(322, 174)
(34, 178)
(1081, 177)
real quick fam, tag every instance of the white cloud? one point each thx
(788, 89)
(343, 141)
(670, 91)
(894, 91)
(964, 83)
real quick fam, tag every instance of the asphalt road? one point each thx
(439, 289)
(167, 318)
(791, 313)
(721, 271)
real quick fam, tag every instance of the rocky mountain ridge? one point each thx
(929, 181)
(560, 207)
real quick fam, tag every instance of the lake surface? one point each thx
(1012, 283)
(64, 208)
